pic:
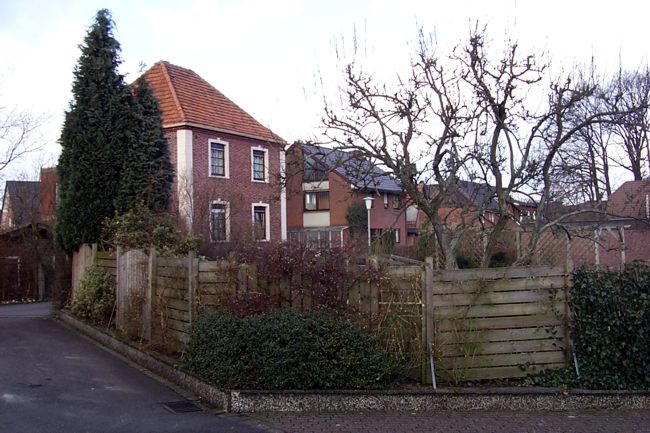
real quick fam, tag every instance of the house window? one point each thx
(218, 158)
(397, 236)
(259, 158)
(219, 221)
(261, 225)
(396, 202)
(385, 201)
(319, 200)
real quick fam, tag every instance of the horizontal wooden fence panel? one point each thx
(514, 284)
(500, 347)
(499, 323)
(497, 335)
(499, 273)
(496, 323)
(495, 372)
(503, 359)
(497, 310)
(491, 298)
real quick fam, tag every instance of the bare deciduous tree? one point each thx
(494, 121)
(17, 135)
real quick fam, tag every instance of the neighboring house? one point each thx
(618, 235)
(323, 183)
(49, 195)
(471, 204)
(227, 164)
(30, 266)
(20, 204)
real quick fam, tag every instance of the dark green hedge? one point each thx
(611, 332)
(286, 350)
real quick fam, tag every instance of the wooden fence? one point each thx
(477, 323)
(499, 322)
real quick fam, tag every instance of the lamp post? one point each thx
(368, 201)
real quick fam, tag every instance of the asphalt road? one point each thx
(52, 380)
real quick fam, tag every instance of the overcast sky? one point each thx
(269, 57)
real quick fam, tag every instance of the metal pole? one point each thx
(368, 232)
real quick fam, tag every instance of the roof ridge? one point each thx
(172, 90)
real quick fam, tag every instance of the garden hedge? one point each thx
(611, 332)
(284, 349)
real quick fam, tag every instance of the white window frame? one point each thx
(266, 164)
(226, 158)
(397, 235)
(227, 206)
(267, 217)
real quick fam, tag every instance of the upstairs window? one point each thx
(259, 162)
(317, 200)
(397, 202)
(218, 159)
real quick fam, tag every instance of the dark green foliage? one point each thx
(147, 173)
(114, 153)
(611, 331)
(141, 229)
(357, 216)
(93, 139)
(285, 350)
(95, 297)
(560, 378)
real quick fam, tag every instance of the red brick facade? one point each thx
(239, 190)
(383, 216)
(194, 113)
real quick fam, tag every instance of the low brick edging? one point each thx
(441, 399)
(391, 400)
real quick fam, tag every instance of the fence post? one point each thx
(151, 293)
(120, 286)
(427, 320)
(568, 268)
(192, 283)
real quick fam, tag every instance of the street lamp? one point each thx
(368, 201)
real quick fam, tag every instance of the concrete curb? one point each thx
(532, 399)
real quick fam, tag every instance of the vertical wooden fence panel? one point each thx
(132, 285)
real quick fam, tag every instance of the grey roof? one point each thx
(24, 198)
(359, 171)
(480, 194)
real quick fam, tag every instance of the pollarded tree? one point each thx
(94, 138)
(147, 173)
(495, 123)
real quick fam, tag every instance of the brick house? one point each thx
(471, 203)
(20, 204)
(227, 164)
(620, 235)
(322, 184)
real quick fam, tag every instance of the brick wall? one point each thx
(239, 190)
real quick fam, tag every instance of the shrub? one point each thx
(141, 229)
(323, 274)
(611, 329)
(286, 350)
(95, 297)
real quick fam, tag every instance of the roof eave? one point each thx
(223, 130)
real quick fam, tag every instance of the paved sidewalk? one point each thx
(629, 421)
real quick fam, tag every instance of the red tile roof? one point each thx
(186, 99)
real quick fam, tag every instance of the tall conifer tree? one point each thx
(94, 138)
(147, 173)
